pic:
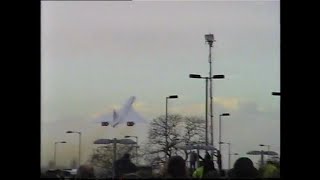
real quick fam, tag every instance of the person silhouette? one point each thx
(176, 168)
(206, 170)
(124, 166)
(243, 168)
(193, 160)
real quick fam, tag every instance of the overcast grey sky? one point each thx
(97, 54)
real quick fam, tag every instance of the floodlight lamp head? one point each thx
(210, 39)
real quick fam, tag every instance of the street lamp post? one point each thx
(79, 144)
(268, 146)
(206, 112)
(136, 146)
(169, 97)
(229, 152)
(210, 39)
(224, 114)
(55, 153)
(197, 76)
(230, 158)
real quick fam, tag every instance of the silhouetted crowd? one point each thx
(175, 167)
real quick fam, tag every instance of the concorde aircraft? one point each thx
(125, 115)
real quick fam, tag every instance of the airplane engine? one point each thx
(130, 123)
(104, 124)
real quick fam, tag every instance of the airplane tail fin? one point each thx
(115, 115)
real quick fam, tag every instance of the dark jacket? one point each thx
(124, 166)
(249, 173)
(193, 156)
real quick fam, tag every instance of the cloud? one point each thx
(108, 109)
(147, 110)
(231, 103)
(220, 104)
(143, 107)
(192, 109)
(139, 105)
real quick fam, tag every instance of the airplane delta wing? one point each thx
(134, 116)
(107, 119)
(125, 115)
(104, 119)
(130, 118)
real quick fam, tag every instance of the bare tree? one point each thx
(158, 132)
(194, 131)
(150, 154)
(180, 129)
(102, 157)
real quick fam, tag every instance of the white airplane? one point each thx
(125, 115)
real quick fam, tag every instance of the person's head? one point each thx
(207, 157)
(85, 171)
(176, 167)
(243, 162)
(126, 156)
(243, 167)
